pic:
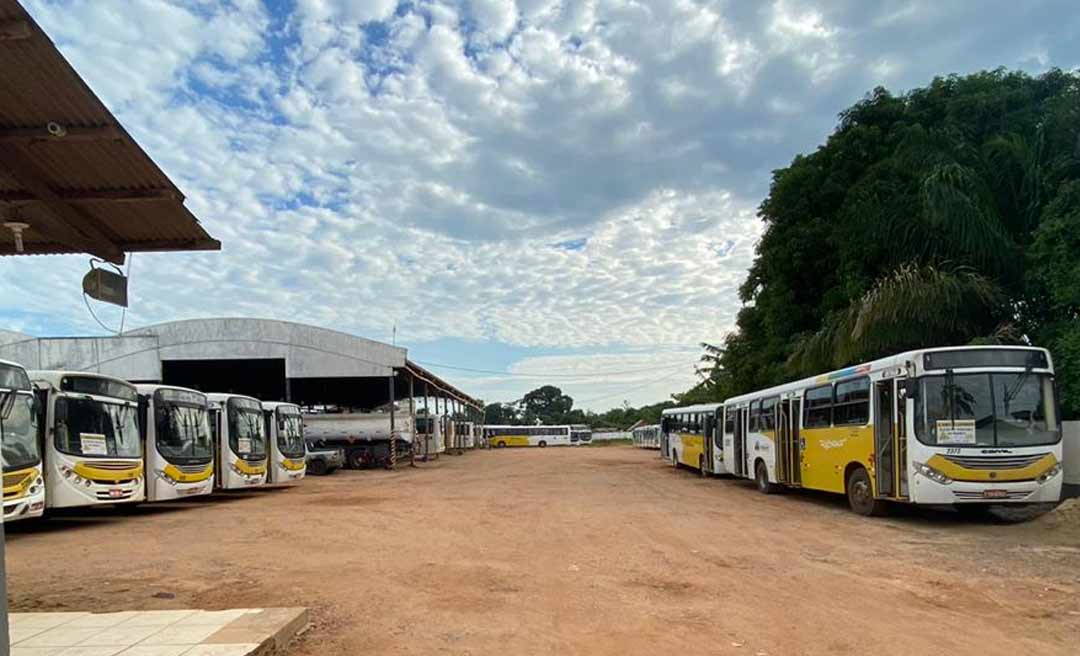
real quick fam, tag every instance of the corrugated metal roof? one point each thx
(112, 197)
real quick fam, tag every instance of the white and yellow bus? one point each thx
(963, 426)
(646, 437)
(24, 484)
(90, 439)
(540, 436)
(178, 445)
(285, 438)
(239, 430)
(689, 437)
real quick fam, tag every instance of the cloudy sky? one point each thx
(554, 191)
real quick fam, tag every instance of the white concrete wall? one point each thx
(130, 358)
(308, 351)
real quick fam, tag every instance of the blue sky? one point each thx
(559, 192)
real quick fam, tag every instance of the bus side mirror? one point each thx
(910, 388)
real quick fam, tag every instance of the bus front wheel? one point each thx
(500, 444)
(542, 444)
(860, 494)
(761, 478)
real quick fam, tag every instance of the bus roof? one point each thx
(899, 361)
(700, 407)
(150, 388)
(221, 397)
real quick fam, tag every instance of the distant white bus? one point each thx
(541, 436)
(647, 437)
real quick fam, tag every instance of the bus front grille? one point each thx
(995, 462)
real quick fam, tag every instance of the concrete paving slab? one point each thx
(234, 632)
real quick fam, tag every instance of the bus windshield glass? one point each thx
(995, 409)
(85, 427)
(290, 437)
(247, 431)
(18, 430)
(182, 430)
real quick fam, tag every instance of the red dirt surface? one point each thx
(571, 551)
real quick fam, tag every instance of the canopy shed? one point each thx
(72, 180)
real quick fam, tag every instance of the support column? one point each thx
(428, 422)
(393, 435)
(412, 424)
(288, 390)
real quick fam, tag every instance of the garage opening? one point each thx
(263, 379)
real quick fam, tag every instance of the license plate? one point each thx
(116, 494)
(995, 494)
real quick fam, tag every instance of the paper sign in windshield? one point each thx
(959, 431)
(93, 444)
(243, 444)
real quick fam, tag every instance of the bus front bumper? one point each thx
(924, 490)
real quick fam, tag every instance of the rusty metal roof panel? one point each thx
(96, 184)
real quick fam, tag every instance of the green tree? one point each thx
(500, 413)
(946, 215)
(546, 404)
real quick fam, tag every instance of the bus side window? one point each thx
(729, 421)
(818, 407)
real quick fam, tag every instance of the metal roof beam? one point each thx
(111, 195)
(65, 223)
(13, 30)
(57, 132)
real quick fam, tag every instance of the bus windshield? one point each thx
(995, 409)
(86, 427)
(183, 432)
(247, 432)
(18, 431)
(290, 437)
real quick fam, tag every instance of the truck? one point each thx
(364, 437)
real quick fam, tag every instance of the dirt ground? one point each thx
(571, 551)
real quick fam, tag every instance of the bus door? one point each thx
(790, 455)
(665, 447)
(708, 427)
(795, 412)
(885, 437)
(740, 442)
(783, 441)
(215, 440)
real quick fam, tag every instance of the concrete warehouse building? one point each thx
(267, 359)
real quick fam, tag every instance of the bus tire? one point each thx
(356, 459)
(761, 478)
(542, 444)
(500, 444)
(317, 467)
(860, 494)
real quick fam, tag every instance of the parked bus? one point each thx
(430, 434)
(968, 426)
(580, 434)
(541, 436)
(285, 438)
(239, 431)
(691, 438)
(24, 484)
(178, 445)
(647, 437)
(90, 438)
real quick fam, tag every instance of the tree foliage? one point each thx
(947, 215)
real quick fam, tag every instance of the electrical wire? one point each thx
(625, 390)
(593, 374)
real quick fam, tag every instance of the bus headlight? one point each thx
(165, 477)
(1049, 473)
(931, 473)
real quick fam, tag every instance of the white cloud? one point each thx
(548, 175)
